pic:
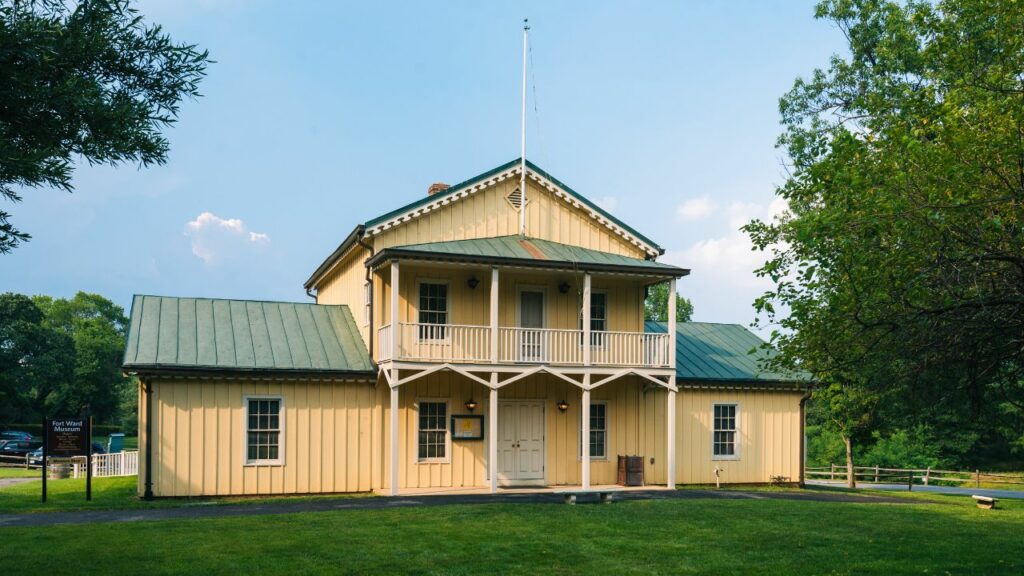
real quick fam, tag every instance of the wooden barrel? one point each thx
(60, 470)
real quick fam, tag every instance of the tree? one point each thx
(98, 328)
(656, 305)
(901, 262)
(36, 361)
(86, 79)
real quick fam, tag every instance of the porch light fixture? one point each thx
(563, 405)
(471, 404)
(563, 287)
(473, 282)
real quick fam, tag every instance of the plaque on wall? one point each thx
(467, 427)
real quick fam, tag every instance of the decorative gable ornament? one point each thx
(515, 199)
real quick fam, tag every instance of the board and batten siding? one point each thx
(636, 425)
(345, 285)
(768, 429)
(200, 438)
(487, 214)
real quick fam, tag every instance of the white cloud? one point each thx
(722, 283)
(609, 203)
(215, 239)
(695, 208)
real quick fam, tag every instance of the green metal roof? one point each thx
(721, 353)
(529, 251)
(203, 333)
(453, 189)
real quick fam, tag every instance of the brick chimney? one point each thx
(437, 187)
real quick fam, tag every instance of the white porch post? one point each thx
(494, 316)
(586, 319)
(396, 331)
(394, 440)
(670, 475)
(671, 408)
(585, 433)
(492, 443)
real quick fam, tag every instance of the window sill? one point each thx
(433, 461)
(724, 458)
(264, 463)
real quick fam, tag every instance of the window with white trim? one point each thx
(263, 430)
(598, 431)
(598, 318)
(723, 443)
(367, 302)
(433, 311)
(433, 431)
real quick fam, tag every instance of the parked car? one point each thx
(15, 435)
(35, 457)
(18, 447)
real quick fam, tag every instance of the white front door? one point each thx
(521, 442)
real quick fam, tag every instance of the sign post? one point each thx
(68, 437)
(88, 463)
(45, 427)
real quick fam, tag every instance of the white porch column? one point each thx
(396, 330)
(494, 318)
(585, 432)
(671, 408)
(586, 319)
(670, 461)
(492, 434)
(394, 439)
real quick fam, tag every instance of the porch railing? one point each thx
(463, 343)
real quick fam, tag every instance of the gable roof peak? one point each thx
(501, 173)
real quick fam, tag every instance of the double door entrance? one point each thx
(521, 442)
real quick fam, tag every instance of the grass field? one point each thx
(665, 536)
(112, 493)
(6, 472)
(935, 534)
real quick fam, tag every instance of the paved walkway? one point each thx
(933, 489)
(190, 512)
(5, 482)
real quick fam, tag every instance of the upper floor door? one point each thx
(531, 319)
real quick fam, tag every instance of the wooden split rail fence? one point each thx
(911, 476)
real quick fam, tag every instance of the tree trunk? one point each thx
(851, 479)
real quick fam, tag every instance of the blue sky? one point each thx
(318, 116)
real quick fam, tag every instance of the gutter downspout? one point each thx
(147, 391)
(803, 437)
(369, 280)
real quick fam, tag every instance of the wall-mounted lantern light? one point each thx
(473, 282)
(471, 404)
(563, 287)
(563, 405)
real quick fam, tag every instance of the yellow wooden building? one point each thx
(478, 337)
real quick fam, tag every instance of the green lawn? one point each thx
(130, 442)
(691, 536)
(112, 493)
(18, 473)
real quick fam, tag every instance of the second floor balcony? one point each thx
(420, 342)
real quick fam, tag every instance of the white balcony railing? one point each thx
(472, 344)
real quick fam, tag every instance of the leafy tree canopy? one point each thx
(656, 305)
(86, 80)
(61, 357)
(900, 266)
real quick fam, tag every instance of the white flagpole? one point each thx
(522, 153)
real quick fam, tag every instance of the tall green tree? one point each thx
(97, 327)
(36, 361)
(900, 267)
(88, 80)
(656, 305)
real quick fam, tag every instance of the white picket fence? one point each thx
(105, 465)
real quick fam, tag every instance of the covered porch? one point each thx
(532, 431)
